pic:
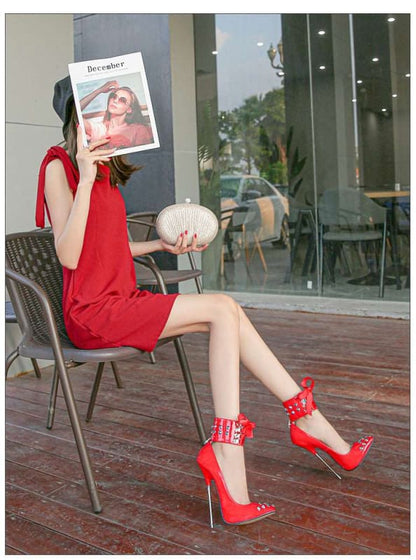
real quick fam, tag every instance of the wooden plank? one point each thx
(26, 537)
(269, 535)
(139, 399)
(9, 550)
(85, 527)
(32, 479)
(132, 486)
(195, 532)
(143, 444)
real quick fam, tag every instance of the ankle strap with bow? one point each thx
(303, 403)
(235, 432)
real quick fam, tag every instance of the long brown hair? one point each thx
(120, 168)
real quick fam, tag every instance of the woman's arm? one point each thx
(108, 86)
(69, 214)
(85, 101)
(139, 248)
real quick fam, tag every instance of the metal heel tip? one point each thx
(328, 466)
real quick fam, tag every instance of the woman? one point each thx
(122, 122)
(102, 308)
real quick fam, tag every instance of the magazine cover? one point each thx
(112, 100)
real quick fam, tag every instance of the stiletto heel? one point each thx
(208, 479)
(303, 404)
(233, 432)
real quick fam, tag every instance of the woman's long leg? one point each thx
(219, 314)
(263, 364)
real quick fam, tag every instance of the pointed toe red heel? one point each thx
(233, 513)
(303, 404)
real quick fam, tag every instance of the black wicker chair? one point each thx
(10, 317)
(34, 282)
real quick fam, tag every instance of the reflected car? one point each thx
(259, 206)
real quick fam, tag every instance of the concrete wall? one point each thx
(38, 49)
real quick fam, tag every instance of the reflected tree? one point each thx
(255, 133)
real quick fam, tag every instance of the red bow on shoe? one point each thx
(302, 403)
(248, 426)
(307, 394)
(225, 430)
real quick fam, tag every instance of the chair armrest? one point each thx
(140, 222)
(148, 262)
(149, 258)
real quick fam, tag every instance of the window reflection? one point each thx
(289, 107)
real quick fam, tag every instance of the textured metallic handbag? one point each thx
(193, 218)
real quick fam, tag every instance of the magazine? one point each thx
(112, 100)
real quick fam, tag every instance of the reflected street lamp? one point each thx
(272, 52)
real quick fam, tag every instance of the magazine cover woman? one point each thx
(122, 123)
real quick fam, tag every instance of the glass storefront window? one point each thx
(303, 143)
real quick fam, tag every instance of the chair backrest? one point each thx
(32, 254)
(348, 207)
(295, 207)
(226, 217)
(140, 225)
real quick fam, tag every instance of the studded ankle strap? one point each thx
(225, 430)
(302, 403)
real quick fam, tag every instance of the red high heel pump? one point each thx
(233, 513)
(303, 404)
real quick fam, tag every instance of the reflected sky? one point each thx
(243, 67)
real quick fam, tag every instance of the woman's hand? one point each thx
(89, 158)
(181, 245)
(109, 86)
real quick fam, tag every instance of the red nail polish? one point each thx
(181, 235)
(186, 232)
(195, 235)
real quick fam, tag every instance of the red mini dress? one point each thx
(102, 306)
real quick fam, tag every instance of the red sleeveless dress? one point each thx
(101, 304)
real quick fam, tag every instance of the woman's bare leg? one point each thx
(261, 362)
(234, 338)
(219, 314)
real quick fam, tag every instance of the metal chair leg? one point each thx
(78, 435)
(116, 375)
(36, 368)
(190, 387)
(9, 360)
(52, 399)
(152, 357)
(94, 391)
(198, 278)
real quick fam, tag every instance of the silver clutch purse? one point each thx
(193, 218)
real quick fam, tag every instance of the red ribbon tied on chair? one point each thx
(247, 426)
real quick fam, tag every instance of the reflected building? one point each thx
(333, 115)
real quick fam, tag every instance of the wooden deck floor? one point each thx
(143, 445)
